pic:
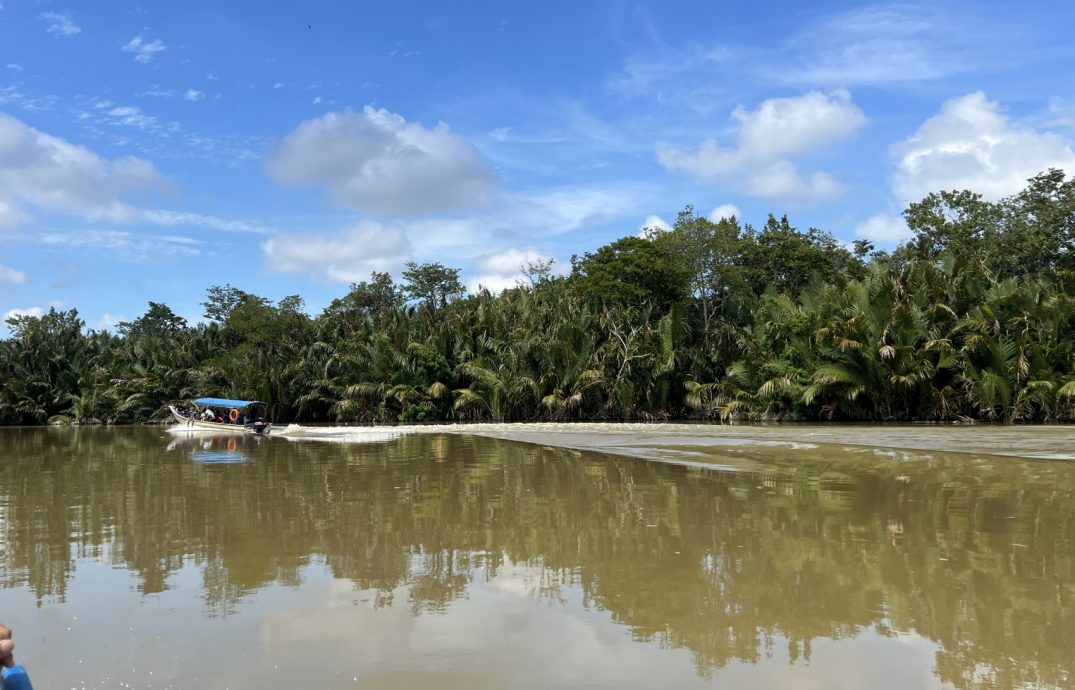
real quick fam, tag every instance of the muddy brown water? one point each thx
(132, 558)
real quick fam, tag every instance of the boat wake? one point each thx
(340, 434)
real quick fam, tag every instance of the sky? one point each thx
(151, 150)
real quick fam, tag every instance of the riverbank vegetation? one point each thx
(972, 318)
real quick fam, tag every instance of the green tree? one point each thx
(782, 258)
(631, 271)
(159, 321)
(432, 284)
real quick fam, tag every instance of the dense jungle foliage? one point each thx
(973, 318)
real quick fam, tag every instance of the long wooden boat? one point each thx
(238, 416)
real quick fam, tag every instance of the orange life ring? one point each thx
(233, 415)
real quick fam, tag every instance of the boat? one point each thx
(237, 416)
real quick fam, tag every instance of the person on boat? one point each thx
(12, 676)
(7, 647)
(208, 415)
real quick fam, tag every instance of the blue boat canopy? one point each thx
(224, 402)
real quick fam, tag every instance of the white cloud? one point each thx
(177, 218)
(107, 322)
(131, 116)
(29, 311)
(55, 175)
(347, 256)
(874, 45)
(494, 282)
(125, 246)
(725, 211)
(971, 144)
(499, 271)
(886, 44)
(10, 94)
(158, 92)
(883, 228)
(778, 128)
(12, 276)
(193, 95)
(144, 51)
(783, 126)
(509, 261)
(1061, 114)
(10, 216)
(59, 25)
(317, 101)
(14, 66)
(781, 180)
(653, 223)
(526, 218)
(563, 209)
(376, 161)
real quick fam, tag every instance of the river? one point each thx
(822, 557)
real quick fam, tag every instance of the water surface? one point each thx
(130, 557)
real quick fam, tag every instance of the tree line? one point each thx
(972, 318)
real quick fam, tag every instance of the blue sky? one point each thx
(150, 150)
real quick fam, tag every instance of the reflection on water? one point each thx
(482, 563)
(214, 449)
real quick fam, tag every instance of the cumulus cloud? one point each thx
(193, 95)
(725, 211)
(499, 271)
(29, 311)
(782, 180)
(972, 144)
(14, 66)
(11, 276)
(378, 162)
(883, 228)
(347, 256)
(651, 223)
(765, 137)
(55, 175)
(108, 321)
(507, 261)
(144, 51)
(59, 25)
(657, 222)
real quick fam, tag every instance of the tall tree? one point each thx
(432, 284)
(631, 271)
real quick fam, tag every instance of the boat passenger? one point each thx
(13, 677)
(7, 647)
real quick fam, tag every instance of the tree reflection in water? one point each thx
(977, 554)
